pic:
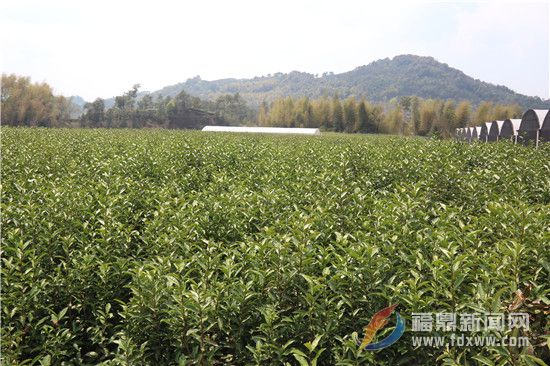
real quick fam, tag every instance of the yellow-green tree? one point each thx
(337, 114)
(463, 114)
(322, 113)
(483, 113)
(361, 117)
(428, 116)
(31, 104)
(349, 114)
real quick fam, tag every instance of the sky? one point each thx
(101, 48)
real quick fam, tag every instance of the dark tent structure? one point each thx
(494, 130)
(509, 129)
(531, 123)
(484, 132)
(468, 134)
(476, 131)
(545, 129)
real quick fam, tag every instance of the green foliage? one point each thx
(349, 108)
(182, 111)
(156, 247)
(404, 116)
(337, 114)
(362, 119)
(380, 81)
(26, 104)
(32, 104)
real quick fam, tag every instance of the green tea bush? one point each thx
(124, 247)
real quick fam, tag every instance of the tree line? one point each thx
(181, 111)
(33, 104)
(409, 115)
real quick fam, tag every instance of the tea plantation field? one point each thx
(135, 247)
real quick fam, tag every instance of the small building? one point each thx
(531, 124)
(509, 129)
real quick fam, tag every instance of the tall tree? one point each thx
(349, 114)
(362, 117)
(428, 116)
(483, 113)
(406, 104)
(322, 113)
(463, 114)
(415, 115)
(376, 118)
(337, 114)
(393, 123)
(447, 121)
(263, 114)
(94, 115)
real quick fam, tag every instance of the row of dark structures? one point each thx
(532, 128)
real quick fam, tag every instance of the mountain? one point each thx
(78, 100)
(378, 81)
(77, 106)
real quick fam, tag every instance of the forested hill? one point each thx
(379, 81)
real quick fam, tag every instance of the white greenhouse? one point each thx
(275, 130)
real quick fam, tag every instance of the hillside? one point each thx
(379, 81)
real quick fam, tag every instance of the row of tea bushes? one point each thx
(124, 247)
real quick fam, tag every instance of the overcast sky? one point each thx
(101, 48)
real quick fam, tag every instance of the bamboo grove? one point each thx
(401, 116)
